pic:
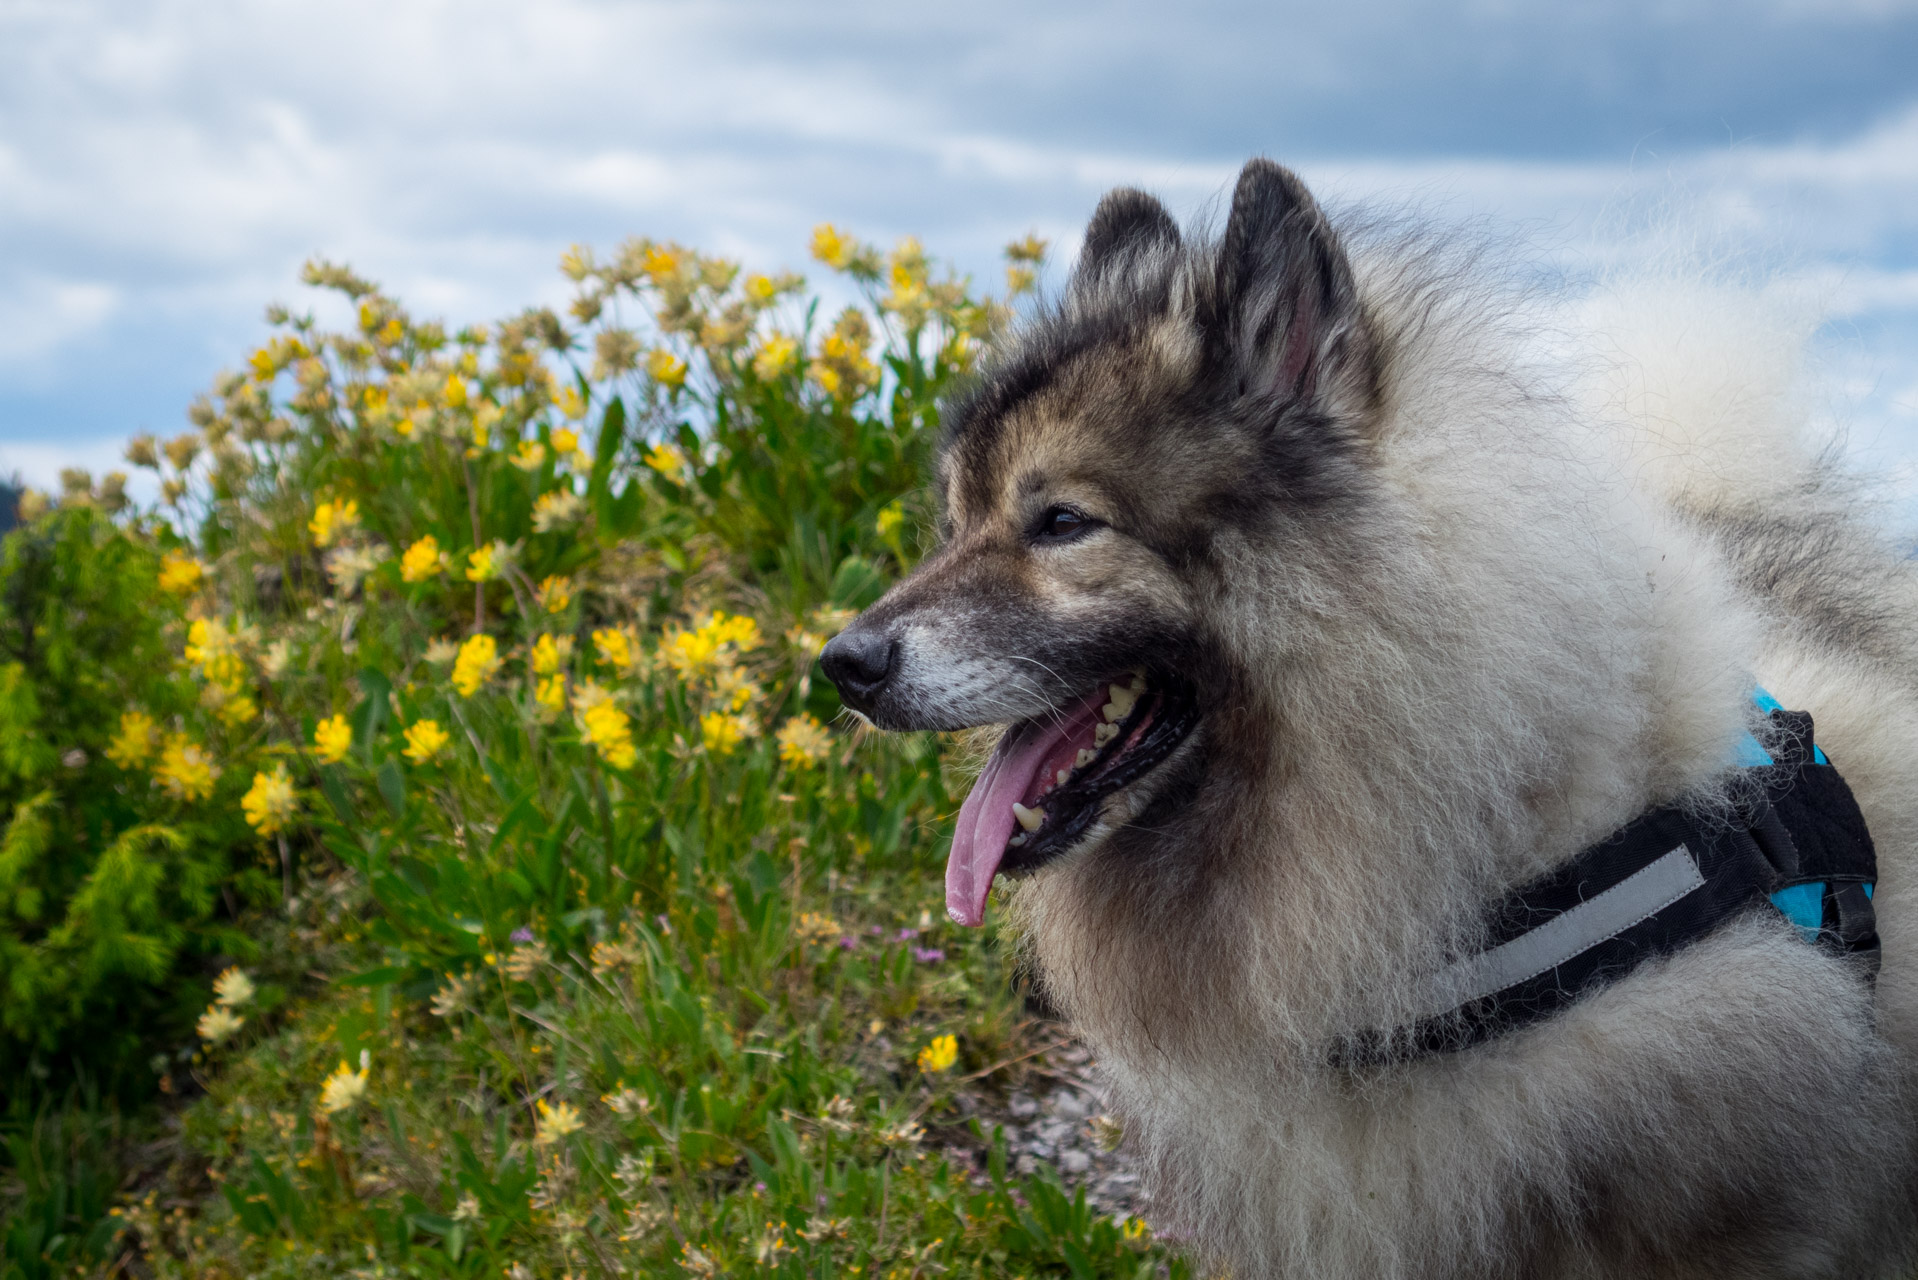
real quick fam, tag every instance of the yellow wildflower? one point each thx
(138, 739)
(424, 740)
(555, 1122)
(557, 508)
(332, 739)
(344, 1089)
(238, 710)
(803, 741)
(1133, 1230)
(565, 440)
(832, 247)
(890, 517)
(939, 1055)
(477, 663)
(550, 654)
(1020, 280)
(720, 732)
(210, 647)
(269, 804)
(550, 693)
(454, 393)
(609, 729)
(333, 520)
(710, 645)
(483, 564)
(666, 368)
(555, 593)
(233, 988)
(732, 687)
(530, 455)
(180, 573)
(572, 404)
(667, 459)
(185, 769)
(422, 560)
(217, 1023)
(776, 355)
(615, 648)
(761, 288)
(660, 262)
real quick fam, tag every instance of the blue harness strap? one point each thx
(1798, 844)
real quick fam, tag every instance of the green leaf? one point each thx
(392, 785)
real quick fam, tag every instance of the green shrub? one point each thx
(108, 883)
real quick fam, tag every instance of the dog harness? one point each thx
(1794, 839)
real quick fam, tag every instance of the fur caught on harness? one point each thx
(1667, 878)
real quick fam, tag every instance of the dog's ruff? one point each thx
(1418, 614)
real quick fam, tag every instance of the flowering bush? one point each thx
(487, 664)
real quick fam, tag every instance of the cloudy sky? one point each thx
(165, 167)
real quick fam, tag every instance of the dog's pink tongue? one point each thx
(985, 819)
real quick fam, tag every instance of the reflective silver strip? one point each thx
(1644, 893)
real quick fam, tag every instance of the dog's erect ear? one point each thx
(1286, 315)
(1125, 222)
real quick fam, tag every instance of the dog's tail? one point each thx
(1707, 381)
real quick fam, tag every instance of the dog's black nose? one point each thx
(858, 661)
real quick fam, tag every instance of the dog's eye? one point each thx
(1061, 523)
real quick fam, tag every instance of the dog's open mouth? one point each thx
(1045, 783)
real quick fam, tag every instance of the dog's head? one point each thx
(1185, 408)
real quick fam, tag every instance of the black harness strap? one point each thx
(1799, 842)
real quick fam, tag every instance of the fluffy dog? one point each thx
(1323, 611)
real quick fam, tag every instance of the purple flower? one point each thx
(874, 930)
(665, 926)
(928, 955)
(847, 942)
(521, 934)
(906, 935)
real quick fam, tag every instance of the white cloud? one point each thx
(164, 169)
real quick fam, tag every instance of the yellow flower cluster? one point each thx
(477, 663)
(803, 741)
(714, 643)
(842, 368)
(554, 593)
(137, 740)
(345, 1088)
(333, 521)
(212, 649)
(603, 724)
(555, 1122)
(269, 804)
(721, 732)
(185, 769)
(939, 1055)
(231, 990)
(180, 573)
(667, 459)
(616, 648)
(424, 740)
(332, 739)
(422, 560)
(483, 564)
(775, 356)
(666, 368)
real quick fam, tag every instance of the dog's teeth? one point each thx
(1017, 840)
(1063, 775)
(1086, 757)
(1137, 684)
(1104, 734)
(1121, 705)
(1028, 818)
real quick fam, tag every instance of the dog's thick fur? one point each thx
(1453, 610)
